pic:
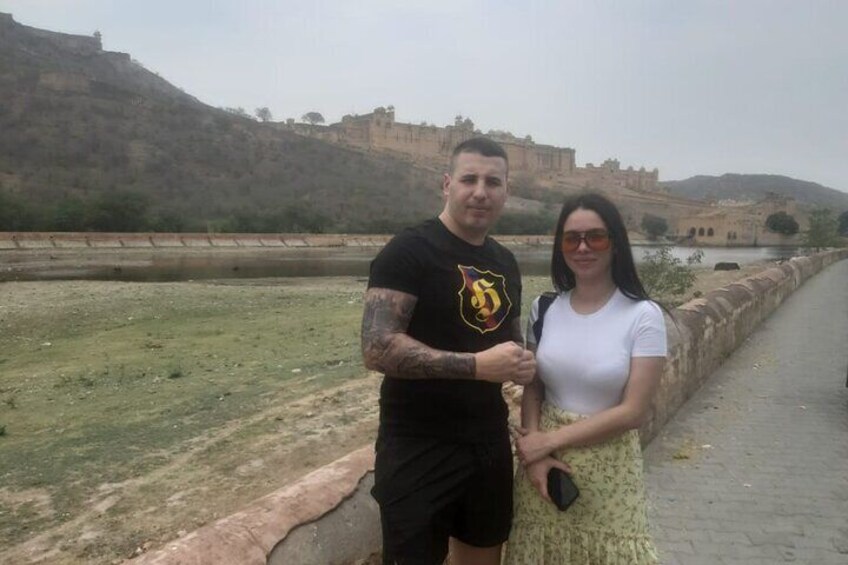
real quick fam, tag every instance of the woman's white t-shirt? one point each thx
(584, 360)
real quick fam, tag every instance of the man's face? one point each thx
(475, 192)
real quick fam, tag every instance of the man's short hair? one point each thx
(480, 145)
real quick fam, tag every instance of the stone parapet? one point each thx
(262, 532)
(328, 517)
(705, 331)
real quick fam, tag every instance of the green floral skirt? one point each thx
(606, 525)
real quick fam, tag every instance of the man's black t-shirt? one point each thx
(468, 298)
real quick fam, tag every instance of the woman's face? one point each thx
(591, 259)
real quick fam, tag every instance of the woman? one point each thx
(599, 362)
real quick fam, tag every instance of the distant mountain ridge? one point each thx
(756, 187)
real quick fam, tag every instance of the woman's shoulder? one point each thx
(640, 306)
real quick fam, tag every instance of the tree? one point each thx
(781, 222)
(119, 211)
(525, 223)
(70, 214)
(264, 114)
(822, 232)
(15, 214)
(843, 223)
(654, 226)
(665, 276)
(313, 118)
(168, 221)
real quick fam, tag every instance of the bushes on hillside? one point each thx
(524, 223)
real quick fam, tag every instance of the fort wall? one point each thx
(328, 516)
(431, 145)
(78, 44)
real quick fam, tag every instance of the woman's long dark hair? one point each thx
(623, 267)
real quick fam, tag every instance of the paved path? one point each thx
(754, 468)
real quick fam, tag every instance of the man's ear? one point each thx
(446, 184)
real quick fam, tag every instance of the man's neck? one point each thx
(474, 238)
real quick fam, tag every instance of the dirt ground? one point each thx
(133, 413)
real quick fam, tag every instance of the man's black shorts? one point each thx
(430, 489)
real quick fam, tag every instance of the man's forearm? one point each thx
(387, 348)
(406, 358)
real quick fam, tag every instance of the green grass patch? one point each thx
(103, 382)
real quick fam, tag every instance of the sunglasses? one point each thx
(596, 240)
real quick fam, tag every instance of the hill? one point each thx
(93, 141)
(756, 187)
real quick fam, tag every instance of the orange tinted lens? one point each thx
(570, 241)
(598, 240)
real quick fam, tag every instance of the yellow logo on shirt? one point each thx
(483, 301)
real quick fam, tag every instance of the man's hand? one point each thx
(505, 362)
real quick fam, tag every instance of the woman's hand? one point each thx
(537, 474)
(532, 446)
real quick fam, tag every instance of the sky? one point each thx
(689, 87)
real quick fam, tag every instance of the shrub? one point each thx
(665, 276)
(822, 232)
(781, 222)
(843, 223)
(654, 226)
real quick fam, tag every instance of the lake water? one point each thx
(331, 262)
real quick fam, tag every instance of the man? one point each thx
(441, 323)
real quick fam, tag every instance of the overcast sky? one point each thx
(690, 87)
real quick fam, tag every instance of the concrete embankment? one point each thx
(151, 256)
(328, 517)
(47, 240)
(58, 240)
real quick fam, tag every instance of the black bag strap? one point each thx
(545, 301)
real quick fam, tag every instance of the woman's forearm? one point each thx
(597, 428)
(531, 405)
(635, 407)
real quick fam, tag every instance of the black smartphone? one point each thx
(561, 488)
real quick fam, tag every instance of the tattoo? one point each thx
(386, 347)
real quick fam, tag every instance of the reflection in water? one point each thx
(332, 262)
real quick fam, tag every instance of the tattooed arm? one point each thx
(387, 348)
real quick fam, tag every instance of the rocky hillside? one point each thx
(92, 140)
(756, 187)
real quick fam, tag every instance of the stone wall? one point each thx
(707, 330)
(55, 240)
(84, 45)
(328, 517)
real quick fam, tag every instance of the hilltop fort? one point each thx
(555, 168)
(430, 145)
